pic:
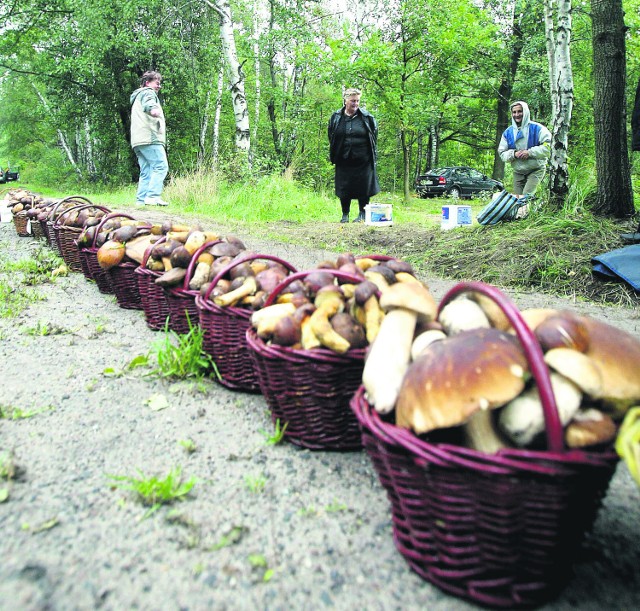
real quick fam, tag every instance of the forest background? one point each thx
(249, 86)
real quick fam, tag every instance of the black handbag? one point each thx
(503, 207)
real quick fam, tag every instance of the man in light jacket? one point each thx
(148, 139)
(526, 145)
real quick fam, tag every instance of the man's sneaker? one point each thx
(359, 218)
(139, 204)
(345, 218)
(155, 201)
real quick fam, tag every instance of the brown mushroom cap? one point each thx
(457, 376)
(409, 296)
(562, 330)
(590, 427)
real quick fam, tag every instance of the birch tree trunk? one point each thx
(256, 61)
(561, 82)
(204, 126)
(433, 145)
(614, 195)
(62, 140)
(215, 153)
(235, 76)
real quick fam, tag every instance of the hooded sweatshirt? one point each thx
(530, 135)
(146, 129)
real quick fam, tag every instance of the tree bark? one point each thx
(558, 36)
(503, 118)
(235, 76)
(614, 196)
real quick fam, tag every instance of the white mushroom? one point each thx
(462, 314)
(523, 418)
(389, 354)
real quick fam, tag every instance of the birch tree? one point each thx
(557, 18)
(235, 76)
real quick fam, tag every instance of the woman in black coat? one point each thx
(353, 137)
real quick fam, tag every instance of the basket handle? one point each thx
(147, 252)
(65, 200)
(78, 208)
(194, 262)
(336, 273)
(532, 350)
(106, 218)
(225, 270)
(375, 257)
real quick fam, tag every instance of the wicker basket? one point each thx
(152, 296)
(54, 213)
(310, 390)
(89, 260)
(502, 529)
(182, 300)
(37, 231)
(123, 278)
(22, 224)
(224, 331)
(67, 235)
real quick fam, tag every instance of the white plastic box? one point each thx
(456, 216)
(378, 215)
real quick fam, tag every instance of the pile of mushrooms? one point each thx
(464, 370)
(324, 311)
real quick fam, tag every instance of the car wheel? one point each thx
(454, 192)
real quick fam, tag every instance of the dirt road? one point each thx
(265, 527)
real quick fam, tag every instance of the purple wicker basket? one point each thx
(225, 332)
(122, 278)
(182, 300)
(503, 529)
(89, 260)
(152, 296)
(54, 213)
(67, 235)
(310, 390)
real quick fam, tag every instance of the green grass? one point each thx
(153, 491)
(549, 252)
(181, 355)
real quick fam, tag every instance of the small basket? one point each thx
(310, 390)
(503, 529)
(182, 300)
(52, 217)
(89, 260)
(225, 330)
(66, 237)
(152, 296)
(37, 230)
(22, 224)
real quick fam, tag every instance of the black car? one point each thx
(457, 181)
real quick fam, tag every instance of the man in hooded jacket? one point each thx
(148, 139)
(526, 145)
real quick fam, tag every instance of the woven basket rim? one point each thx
(208, 306)
(319, 355)
(509, 461)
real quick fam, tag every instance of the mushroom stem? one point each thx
(481, 435)
(388, 359)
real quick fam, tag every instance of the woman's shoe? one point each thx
(345, 218)
(359, 218)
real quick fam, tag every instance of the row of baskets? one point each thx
(501, 530)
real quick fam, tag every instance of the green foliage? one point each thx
(278, 434)
(181, 355)
(153, 491)
(255, 483)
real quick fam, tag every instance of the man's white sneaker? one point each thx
(155, 201)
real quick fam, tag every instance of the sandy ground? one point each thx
(265, 527)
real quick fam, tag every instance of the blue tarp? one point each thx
(620, 264)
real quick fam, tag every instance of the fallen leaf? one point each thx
(157, 402)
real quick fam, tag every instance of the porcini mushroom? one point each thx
(389, 354)
(457, 380)
(462, 314)
(523, 418)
